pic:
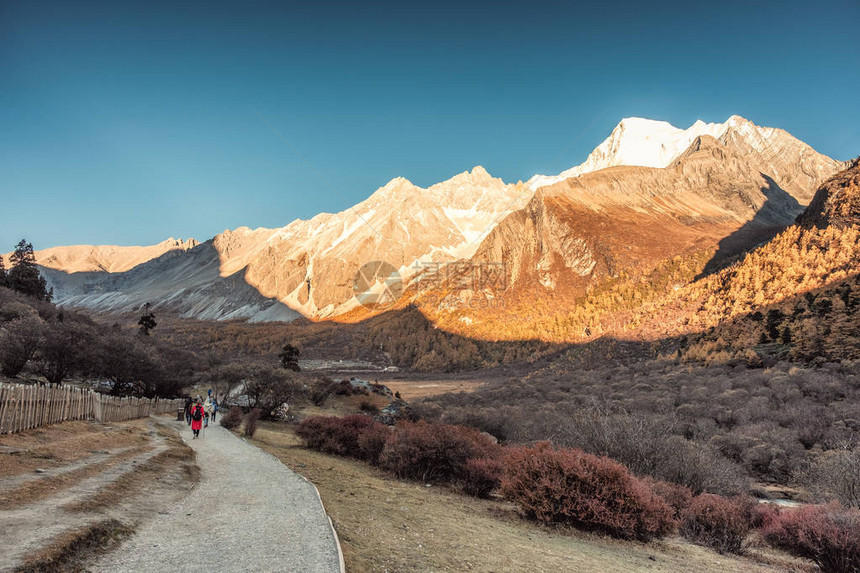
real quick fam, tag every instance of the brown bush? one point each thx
(251, 422)
(371, 442)
(677, 496)
(341, 436)
(828, 535)
(481, 476)
(269, 387)
(836, 475)
(233, 418)
(648, 445)
(763, 515)
(19, 340)
(720, 523)
(584, 490)
(435, 452)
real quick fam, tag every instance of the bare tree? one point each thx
(19, 341)
(836, 473)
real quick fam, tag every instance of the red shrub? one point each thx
(372, 440)
(339, 436)
(827, 534)
(718, 522)
(763, 515)
(435, 452)
(481, 476)
(676, 495)
(584, 490)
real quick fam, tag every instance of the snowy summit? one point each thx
(639, 141)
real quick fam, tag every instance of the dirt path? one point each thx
(249, 512)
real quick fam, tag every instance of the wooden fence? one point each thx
(24, 407)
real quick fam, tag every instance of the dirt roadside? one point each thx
(71, 491)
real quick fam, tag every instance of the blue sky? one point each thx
(127, 123)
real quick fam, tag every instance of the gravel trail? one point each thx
(248, 513)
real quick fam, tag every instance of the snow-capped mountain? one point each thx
(695, 186)
(636, 141)
(798, 168)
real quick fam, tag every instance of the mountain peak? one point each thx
(637, 141)
(643, 124)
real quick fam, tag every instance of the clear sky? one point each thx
(129, 122)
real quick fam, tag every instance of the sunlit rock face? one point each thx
(306, 267)
(648, 192)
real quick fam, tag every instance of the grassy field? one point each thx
(386, 525)
(415, 389)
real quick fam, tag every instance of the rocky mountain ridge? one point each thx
(733, 183)
(106, 258)
(307, 266)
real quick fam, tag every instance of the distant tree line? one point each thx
(39, 339)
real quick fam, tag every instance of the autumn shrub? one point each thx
(435, 452)
(481, 476)
(372, 440)
(829, 535)
(251, 422)
(312, 431)
(718, 522)
(587, 491)
(676, 495)
(763, 515)
(233, 418)
(339, 436)
(499, 421)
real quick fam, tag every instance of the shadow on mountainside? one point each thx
(177, 281)
(778, 212)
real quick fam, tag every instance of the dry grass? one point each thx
(63, 444)
(158, 468)
(415, 389)
(386, 525)
(35, 490)
(68, 553)
(93, 499)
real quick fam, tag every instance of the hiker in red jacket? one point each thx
(197, 414)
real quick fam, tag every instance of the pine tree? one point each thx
(3, 281)
(290, 357)
(147, 321)
(24, 275)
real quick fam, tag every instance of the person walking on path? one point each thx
(197, 414)
(188, 403)
(211, 405)
(207, 411)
